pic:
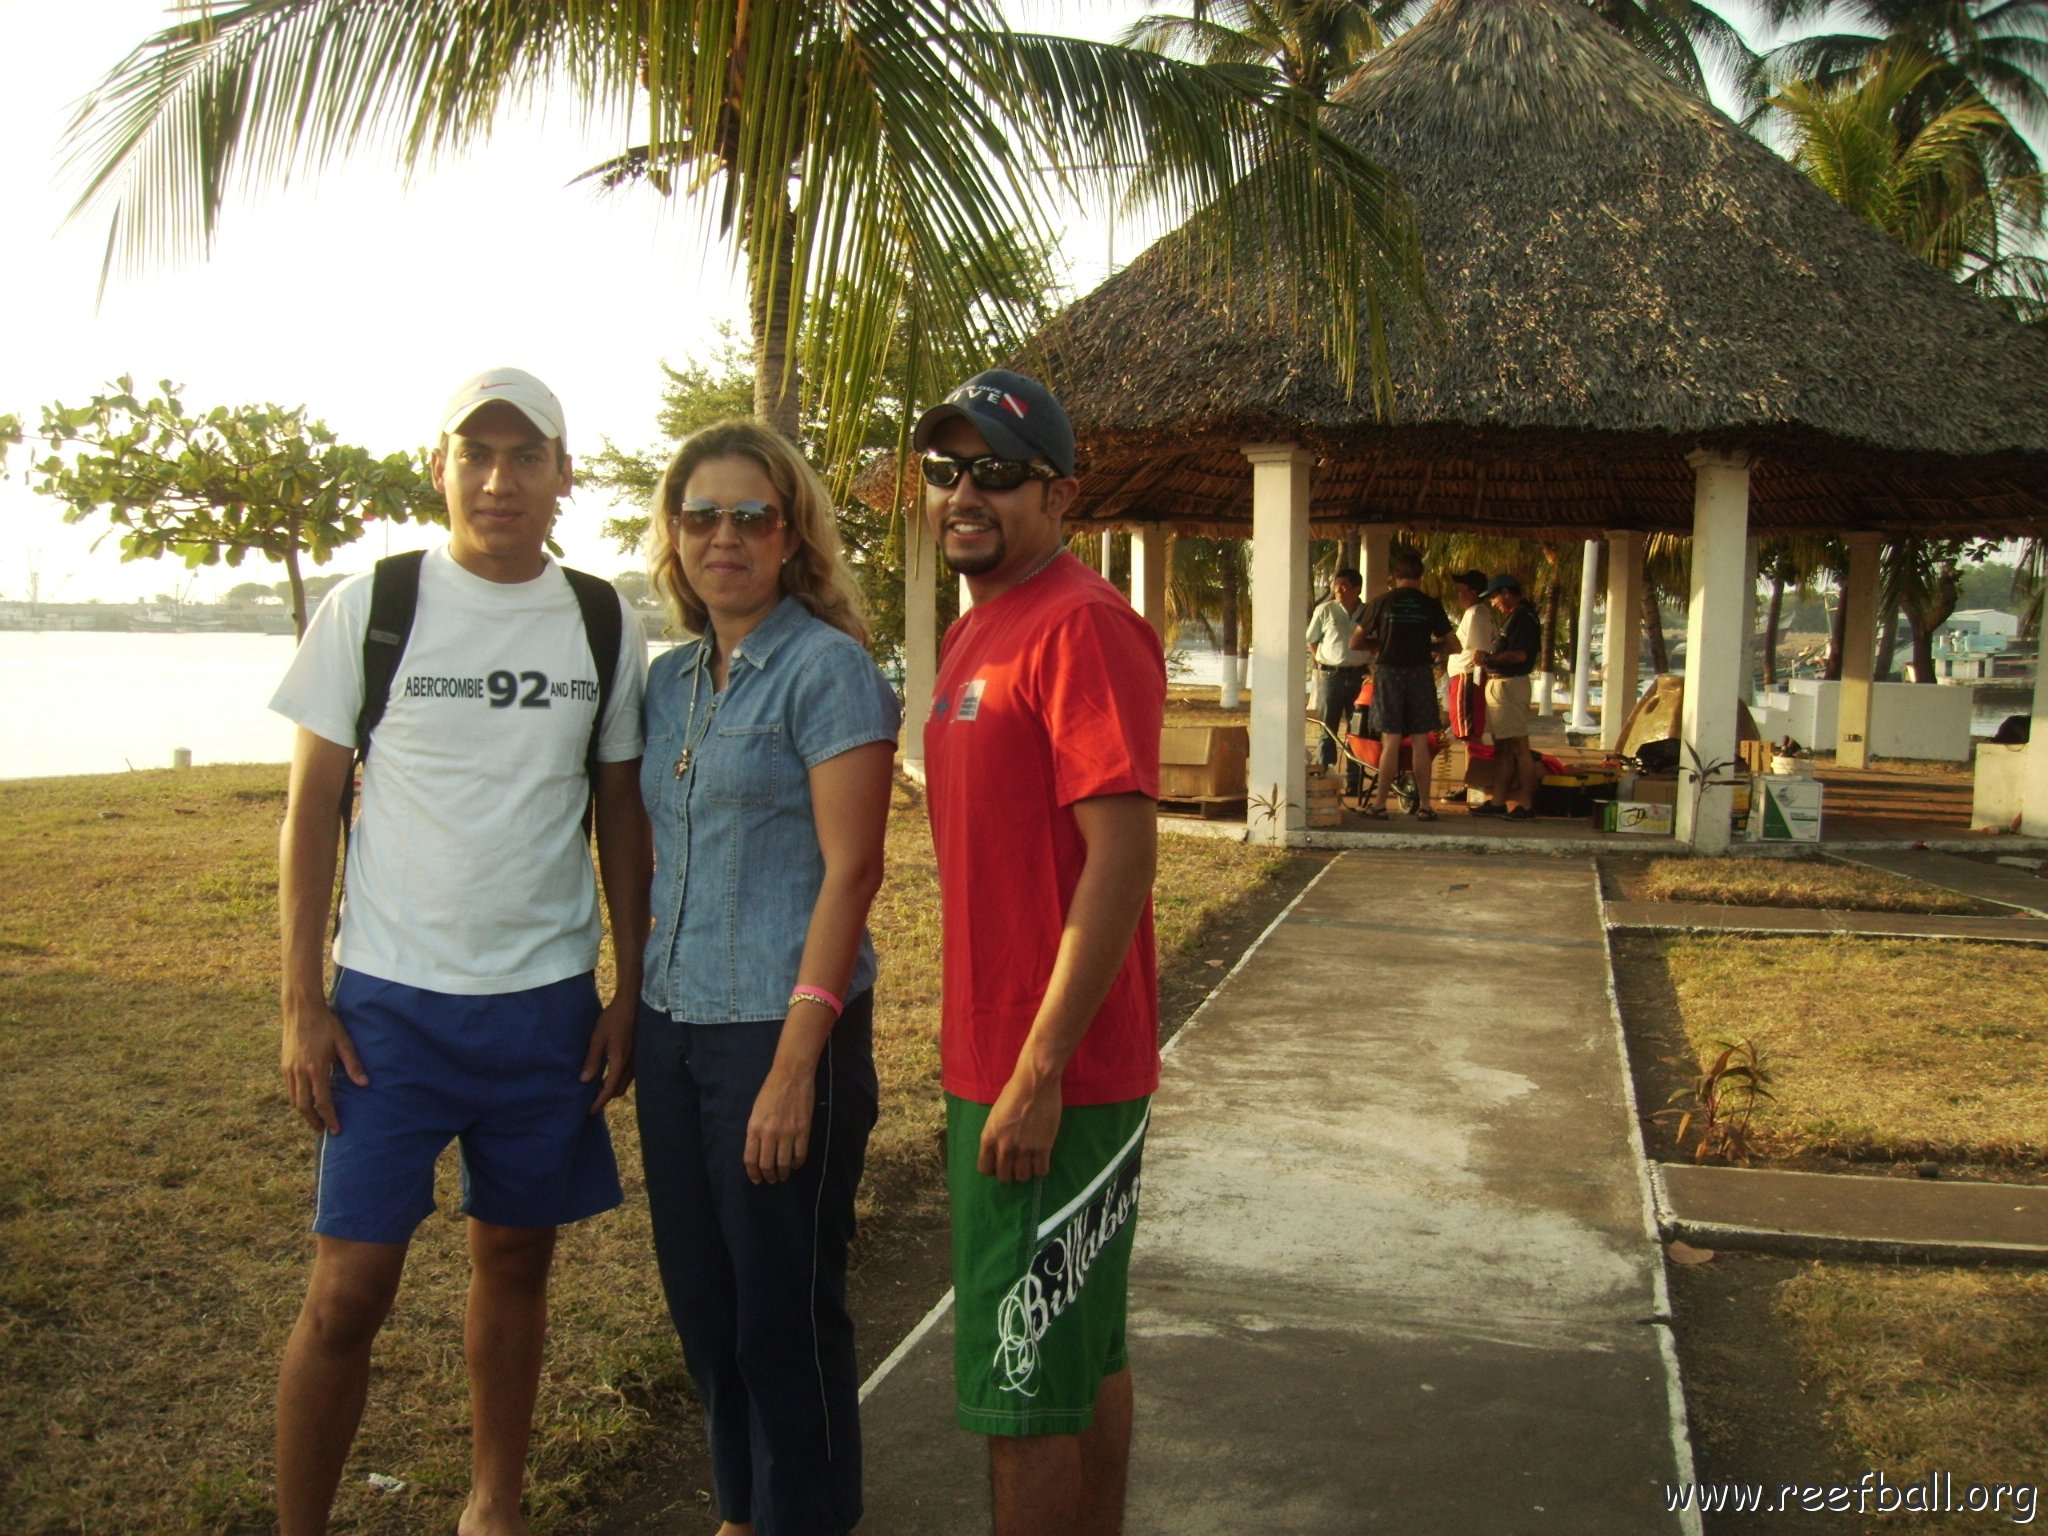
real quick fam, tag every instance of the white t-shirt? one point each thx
(1475, 633)
(468, 869)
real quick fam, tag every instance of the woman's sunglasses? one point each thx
(988, 472)
(750, 519)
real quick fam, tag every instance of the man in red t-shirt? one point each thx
(1042, 752)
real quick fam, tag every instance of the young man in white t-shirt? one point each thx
(464, 1003)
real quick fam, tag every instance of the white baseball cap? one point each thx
(517, 388)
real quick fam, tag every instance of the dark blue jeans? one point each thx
(1337, 689)
(755, 1274)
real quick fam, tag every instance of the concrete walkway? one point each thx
(1951, 872)
(1396, 1269)
(1712, 917)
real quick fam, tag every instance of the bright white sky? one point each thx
(355, 295)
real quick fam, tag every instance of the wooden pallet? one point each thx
(1207, 807)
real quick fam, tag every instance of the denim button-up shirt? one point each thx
(737, 867)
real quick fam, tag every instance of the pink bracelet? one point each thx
(816, 995)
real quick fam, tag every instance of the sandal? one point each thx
(1423, 813)
(1376, 812)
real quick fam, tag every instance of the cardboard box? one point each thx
(1324, 806)
(1655, 789)
(1203, 762)
(1636, 816)
(1785, 811)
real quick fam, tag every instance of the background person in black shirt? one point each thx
(1508, 666)
(1409, 630)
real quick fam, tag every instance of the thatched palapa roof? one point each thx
(1623, 276)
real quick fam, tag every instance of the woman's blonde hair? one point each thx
(816, 572)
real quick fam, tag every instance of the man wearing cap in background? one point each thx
(1508, 662)
(1465, 673)
(464, 1002)
(1042, 751)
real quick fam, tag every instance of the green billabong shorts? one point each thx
(1041, 1270)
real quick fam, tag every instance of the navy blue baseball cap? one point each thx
(1503, 583)
(1018, 418)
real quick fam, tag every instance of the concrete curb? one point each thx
(1686, 917)
(1832, 1245)
(1653, 1220)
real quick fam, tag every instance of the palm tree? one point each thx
(1994, 49)
(1681, 37)
(1313, 45)
(867, 159)
(1934, 184)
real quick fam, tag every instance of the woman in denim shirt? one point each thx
(767, 776)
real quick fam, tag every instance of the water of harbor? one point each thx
(84, 701)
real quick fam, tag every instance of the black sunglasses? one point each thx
(988, 471)
(750, 519)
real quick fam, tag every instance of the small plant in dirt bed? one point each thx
(1723, 1099)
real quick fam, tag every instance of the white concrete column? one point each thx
(2034, 776)
(966, 597)
(1582, 665)
(1713, 649)
(1859, 649)
(1279, 663)
(1108, 552)
(1375, 543)
(1621, 643)
(920, 638)
(1148, 575)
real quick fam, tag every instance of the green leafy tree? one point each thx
(315, 588)
(244, 594)
(1922, 578)
(636, 587)
(220, 486)
(866, 159)
(718, 386)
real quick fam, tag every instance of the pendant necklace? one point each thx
(692, 737)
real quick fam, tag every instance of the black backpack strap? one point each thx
(604, 629)
(394, 598)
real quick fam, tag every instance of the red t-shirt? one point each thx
(1051, 693)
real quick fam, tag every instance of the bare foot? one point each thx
(736, 1528)
(479, 1520)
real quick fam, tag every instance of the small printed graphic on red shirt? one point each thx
(970, 700)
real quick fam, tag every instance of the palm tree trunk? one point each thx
(1837, 633)
(1887, 642)
(777, 388)
(1653, 628)
(1771, 617)
(1227, 566)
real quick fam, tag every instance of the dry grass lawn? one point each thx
(154, 1190)
(1788, 882)
(1881, 1049)
(1933, 1371)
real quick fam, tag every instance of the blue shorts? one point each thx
(496, 1072)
